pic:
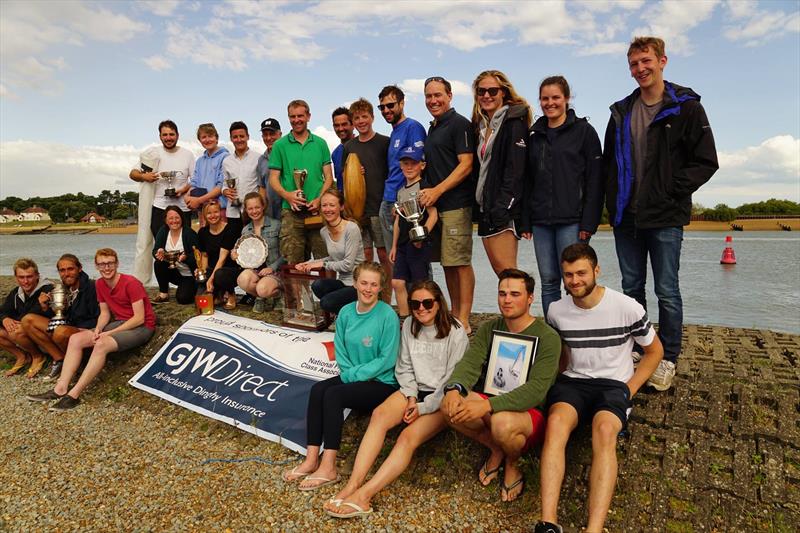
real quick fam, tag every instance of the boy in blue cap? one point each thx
(412, 259)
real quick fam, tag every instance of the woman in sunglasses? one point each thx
(501, 118)
(432, 342)
(366, 342)
(564, 190)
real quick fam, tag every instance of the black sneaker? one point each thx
(55, 371)
(66, 403)
(246, 300)
(547, 527)
(44, 397)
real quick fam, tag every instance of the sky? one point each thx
(83, 85)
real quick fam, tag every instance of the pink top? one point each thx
(120, 299)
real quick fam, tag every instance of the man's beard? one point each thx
(585, 290)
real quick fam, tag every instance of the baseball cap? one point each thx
(412, 152)
(270, 124)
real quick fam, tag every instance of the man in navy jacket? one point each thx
(658, 150)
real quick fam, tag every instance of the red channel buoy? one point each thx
(728, 256)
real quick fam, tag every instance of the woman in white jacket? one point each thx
(432, 342)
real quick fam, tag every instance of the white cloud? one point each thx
(29, 31)
(162, 8)
(754, 26)
(673, 19)
(157, 63)
(417, 86)
(329, 136)
(617, 49)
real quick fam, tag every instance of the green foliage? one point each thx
(721, 213)
(109, 204)
(772, 206)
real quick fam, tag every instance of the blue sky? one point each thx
(83, 85)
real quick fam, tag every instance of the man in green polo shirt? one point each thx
(301, 150)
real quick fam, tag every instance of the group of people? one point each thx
(545, 180)
(111, 314)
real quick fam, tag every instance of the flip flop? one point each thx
(506, 488)
(488, 475)
(336, 502)
(36, 366)
(357, 511)
(16, 368)
(293, 472)
(325, 481)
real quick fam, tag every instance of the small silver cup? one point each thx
(231, 184)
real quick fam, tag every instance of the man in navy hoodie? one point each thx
(658, 150)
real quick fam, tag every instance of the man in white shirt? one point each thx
(598, 328)
(171, 178)
(240, 169)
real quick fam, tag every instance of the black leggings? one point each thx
(187, 287)
(329, 398)
(225, 279)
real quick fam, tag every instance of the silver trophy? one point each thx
(300, 175)
(59, 301)
(169, 175)
(411, 211)
(231, 184)
(172, 257)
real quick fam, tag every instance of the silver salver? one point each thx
(251, 251)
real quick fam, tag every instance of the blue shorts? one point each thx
(412, 263)
(588, 396)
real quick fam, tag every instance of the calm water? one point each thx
(761, 291)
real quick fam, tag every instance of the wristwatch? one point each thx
(456, 386)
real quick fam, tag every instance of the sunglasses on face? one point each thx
(491, 90)
(427, 303)
(388, 105)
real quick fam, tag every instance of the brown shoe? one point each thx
(230, 305)
(160, 299)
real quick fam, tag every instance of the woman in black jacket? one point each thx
(564, 188)
(501, 118)
(174, 237)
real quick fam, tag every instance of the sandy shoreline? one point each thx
(772, 224)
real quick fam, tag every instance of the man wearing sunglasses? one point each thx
(448, 153)
(511, 423)
(405, 132)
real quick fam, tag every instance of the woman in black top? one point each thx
(175, 237)
(501, 118)
(217, 239)
(564, 189)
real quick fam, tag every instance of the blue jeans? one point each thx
(548, 243)
(333, 294)
(387, 223)
(663, 245)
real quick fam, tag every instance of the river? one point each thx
(761, 291)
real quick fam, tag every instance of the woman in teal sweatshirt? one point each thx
(366, 344)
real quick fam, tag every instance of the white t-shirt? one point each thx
(601, 339)
(181, 160)
(244, 170)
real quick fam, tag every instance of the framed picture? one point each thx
(510, 357)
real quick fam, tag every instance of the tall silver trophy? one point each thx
(59, 301)
(412, 212)
(169, 175)
(231, 184)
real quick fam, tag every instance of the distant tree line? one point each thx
(724, 213)
(112, 205)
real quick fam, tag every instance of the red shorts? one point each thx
(538, 424)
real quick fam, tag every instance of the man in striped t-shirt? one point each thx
(598, 328)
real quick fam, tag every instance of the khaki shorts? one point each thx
(372, 232)
(456, 237)
(298, 242)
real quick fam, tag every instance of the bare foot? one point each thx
(513, 484)
(300, 471)
(320, 477)
(357, 499)
(334, 502)
(36, 366)
(18, 364)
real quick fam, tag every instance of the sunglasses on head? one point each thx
(427, 303)
(388, 105)
(435, 78)
(491, 90)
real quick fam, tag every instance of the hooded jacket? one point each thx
(502, 191)
(16, 305)
(83, 312)
(681, 156)
(564, 184)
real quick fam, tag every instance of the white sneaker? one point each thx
(636, 356)
(661, 379)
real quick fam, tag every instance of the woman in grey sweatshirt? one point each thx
(431, 343)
